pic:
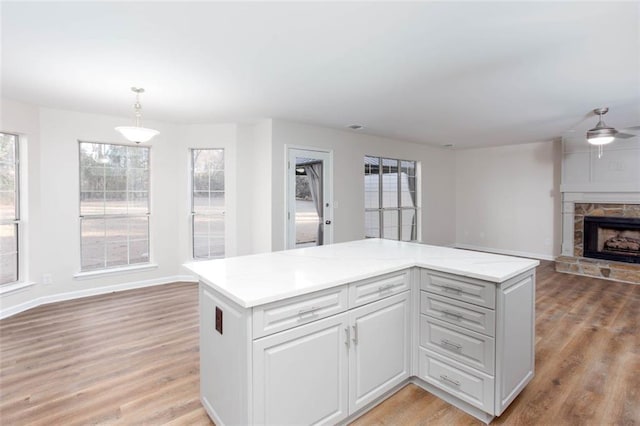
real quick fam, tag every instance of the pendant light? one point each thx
(137, 133)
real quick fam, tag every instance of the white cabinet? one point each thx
(476, 339)
(326, 357)
(320, 373)
(301, 375)
(379, 358)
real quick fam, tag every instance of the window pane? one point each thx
(8, 253)
(216, 180)
(137, 180)
(8, 268)
(208, 236)
(371, 182)
(91, 203)
(7, 205)
(391, 225)
(8, 149)
(408, 184)
(409, 225)
(114, 181)
(389, 183)
(372, 224)
(8, 177)
(115, 202)
(138, 202)
(139, 252)
(93, 243)
(92, 179)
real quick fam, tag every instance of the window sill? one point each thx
(114, 271)
(10, 288)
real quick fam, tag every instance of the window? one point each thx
(207, 203)
(9, 208)
(391, 208)
(114, 205)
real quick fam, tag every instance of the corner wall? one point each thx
(508, 199)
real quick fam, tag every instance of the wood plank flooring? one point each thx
(132, 358)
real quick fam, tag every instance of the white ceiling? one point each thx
(467, 74)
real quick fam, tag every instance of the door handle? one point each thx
(327, 222)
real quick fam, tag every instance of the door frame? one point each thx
(289, 191)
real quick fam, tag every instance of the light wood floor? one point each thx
(132, 358)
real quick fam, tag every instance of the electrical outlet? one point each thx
(219, 320)
(47, 279)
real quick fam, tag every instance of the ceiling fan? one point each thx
(602, 134)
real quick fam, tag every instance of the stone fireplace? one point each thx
(600, 209)
(606, 242)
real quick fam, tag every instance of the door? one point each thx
(309, 198)
(380, 356)
(301, 376)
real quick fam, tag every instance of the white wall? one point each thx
(254, 187)
(349, 149)
(508, 199)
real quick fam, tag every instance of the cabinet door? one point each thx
(300, 375)
(380, 356)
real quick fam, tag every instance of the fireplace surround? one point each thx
(577, 256)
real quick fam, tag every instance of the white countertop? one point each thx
(263, 278)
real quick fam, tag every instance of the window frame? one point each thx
(193, 214)
(381, 209)
(106, 217)
(17, 217)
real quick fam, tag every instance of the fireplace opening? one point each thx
(612, 238)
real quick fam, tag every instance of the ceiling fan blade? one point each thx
(624, 135)
(631, 129)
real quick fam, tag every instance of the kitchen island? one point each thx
(323, 334)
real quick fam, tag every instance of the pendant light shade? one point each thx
(601, 134)
(137, 133)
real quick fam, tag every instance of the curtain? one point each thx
(314, 173)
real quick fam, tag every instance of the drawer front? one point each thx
(367, 291)
(473, 317)
(285, 314)
(470, 290)
(468, 347)
(467, 384)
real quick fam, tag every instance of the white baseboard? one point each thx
(70, 295)
(507, 252)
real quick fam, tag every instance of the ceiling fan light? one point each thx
(137, 134)
(600, 140)
(601, 135)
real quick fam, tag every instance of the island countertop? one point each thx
(263, 278)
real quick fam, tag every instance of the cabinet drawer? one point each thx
(473, 317)
(466, 289)
(285, 314)
(470, 348)
(366, 291)
(465, 383)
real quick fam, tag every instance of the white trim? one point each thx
(114, 271)
(10, 288)
(526, 254)
(4, 313)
